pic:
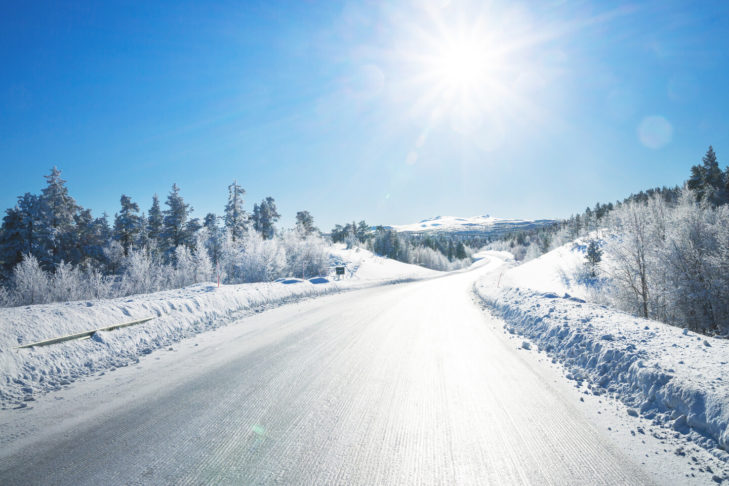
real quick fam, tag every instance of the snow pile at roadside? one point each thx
(364, 265)
(177, 314)
(561, 270)
(670, 375)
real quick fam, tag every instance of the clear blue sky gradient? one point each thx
(326, 106)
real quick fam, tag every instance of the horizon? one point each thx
(385, 113)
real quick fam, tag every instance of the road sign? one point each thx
(340, 270)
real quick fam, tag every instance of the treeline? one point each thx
(52, 249)
(666, 250)
(440, 252)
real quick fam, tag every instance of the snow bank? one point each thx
(667, 374)
(561, 270)
(177, 314)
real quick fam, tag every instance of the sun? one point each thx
(460, 66)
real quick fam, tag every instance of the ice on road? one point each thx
(402, 384)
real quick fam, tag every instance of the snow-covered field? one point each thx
(670, 376)
(177, 314)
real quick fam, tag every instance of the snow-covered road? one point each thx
(401, 384)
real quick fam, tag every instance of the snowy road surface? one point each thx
(403, 384)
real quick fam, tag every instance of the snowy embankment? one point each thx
(177, 314)
(561, 270)
(664, 373)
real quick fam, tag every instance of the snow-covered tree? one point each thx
(155, 222)
(593, 256)
(19, 232)
(127, 223)
(265, 216)
(175, 230)
(304, 223)
(707, 180)
(56, 228)
(30, 282)
(236, 219)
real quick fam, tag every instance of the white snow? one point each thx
(666, 374)
(556, 271)
(178, 314)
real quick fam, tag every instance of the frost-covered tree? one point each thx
(175, 229)
(155, 222)
(593, 256)
(212, 237)
(707, 180)
(265, 216)
(305, 257)
(304, 223)
(30, 282)
(56, 228)
(127, 223)
(19, 232)
(236, 219)
(91, 237)
(632, 255)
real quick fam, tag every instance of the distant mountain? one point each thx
(476, 225)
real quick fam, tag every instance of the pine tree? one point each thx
(213, 237)
(593, 256)
(304, 223)
(57, 210)
(460, 251)
(19, 232)
(127, 223)
(236, 219)
(363, 231)
(264, 217)
(174, 229)
(707, 180)
(155, 221)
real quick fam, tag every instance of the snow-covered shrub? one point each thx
(66, 283)
(306, 254)
(7, 299)
(261, 260)
(141, 274)
(30, 282)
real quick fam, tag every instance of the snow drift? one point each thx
(667, 374)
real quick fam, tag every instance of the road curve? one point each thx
(403, 384)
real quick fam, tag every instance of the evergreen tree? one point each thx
(155, 222)
(19, 232)
(127, 223)
(57, 210)
(236, 219)
(174, 229)
(363, 231)
(460, 251)
(305, 223)
(264, 217)
(593, 257)
(213, 237)
(707, 181)
(191, 229)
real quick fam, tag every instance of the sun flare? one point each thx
(461, 66)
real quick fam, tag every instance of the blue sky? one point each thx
(385, 111)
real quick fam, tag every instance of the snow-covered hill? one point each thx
(485, 225)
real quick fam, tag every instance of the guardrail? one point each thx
(84, 334)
